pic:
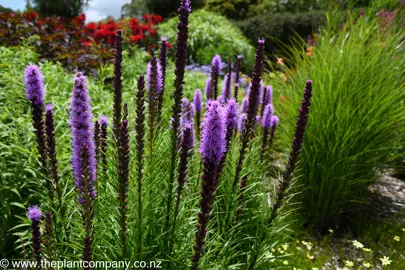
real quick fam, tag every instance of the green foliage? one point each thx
(212, 34)
(166, 8)
(357, 109)
(234, 9)
(281, 28)
(63, 8)
(4, 9)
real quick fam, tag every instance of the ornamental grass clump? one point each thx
(157, 199)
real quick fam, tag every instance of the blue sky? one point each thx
(97, 10)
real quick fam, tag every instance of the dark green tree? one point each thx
(168, 8)
(63, 8)
(4, 9)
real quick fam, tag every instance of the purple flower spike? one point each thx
(245, 105)
(208, 88)
(268, 95)
(198, 100)
(242, 122)
(267, 116)
(232, 114)
(213, 134)
(216, 63)
(159, 77)
(216, 67)
(34, 84)
(81, 119)
(34, 213)
(274, 121)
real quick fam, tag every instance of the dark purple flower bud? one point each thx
(81, 119)
(232, 114)
(215, 69)
(198, 100)
(245, 105)
(213, 134)
(208, 88)
(267, 116)
(34, 213)
(117, 84)
(34, 84)
(241, 122)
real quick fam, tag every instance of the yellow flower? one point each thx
(349, 263)
(397, 238)
(330, 231)
(298, 248)
(386, 260)
(366, 265)
(367, 249)
(285, 246)
(285, 262)
(357, 244)
(273, 250)
(310, 257)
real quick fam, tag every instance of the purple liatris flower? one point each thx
(267, 116)
(274, 120)
(34, 84)
(208, 88)
(34, 214)
(212, 148)
(216, 67)
(187, 124)
(198, 100)
(232, 114)
(81, 119)
(274, 123)
(268, 95)
(245, 105)
(242, 122)
(154, 78)
(117, 84)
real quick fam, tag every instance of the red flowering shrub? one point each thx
(72, 42)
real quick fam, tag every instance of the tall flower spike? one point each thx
(34, 89)
(245, 105)
(254, 101)
(237, 71)
(180, 64)
(208, 89)
(231, 122)
(226, 91)
(49, 242)
(215, 69)
(103, 142)
(242, 122)
(186, 144)
(81, 121)
(34, 214)
(154, 79)
(299, 134)
(212, 148)
(163, 65)
(123, 173)
(97, 138)
(266, 124)
(117, 84)
(198, 109)
(268, 95)
(51, 152)
(139, 146)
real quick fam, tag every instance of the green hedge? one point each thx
(212, 34)
(282, 27)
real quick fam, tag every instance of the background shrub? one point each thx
(282, 27)
(212, 34)
(357, 109)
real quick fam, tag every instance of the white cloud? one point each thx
(100, 9)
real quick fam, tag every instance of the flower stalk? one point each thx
(117, 85)
(34, 214)
(237, 77)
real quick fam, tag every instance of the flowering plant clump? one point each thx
(61, 39)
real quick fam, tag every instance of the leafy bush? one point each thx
(234, 9)
(282, 27)
(357, 109)
(212, 34)
(71, 42)
(67, 9)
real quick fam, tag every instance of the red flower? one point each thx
(169, 45)
(145, 17)
(152, 32)
(100, 34)
(145, 27)
(134, 22)
(135, 38)
(32, 15)
(81, 18)
(111, 26)
(159, 19)
(91, 28)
